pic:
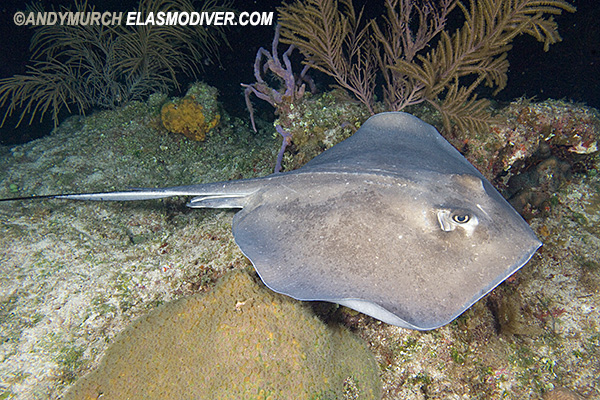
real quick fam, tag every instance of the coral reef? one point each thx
(283, 99)
(566, 129)
(293, 87)
(240, 341)
(333, 42)
(536, 332)
(73, 275)
(533, 148)
(194, 115)
(317, 123)
(80, 275)
(419, 59)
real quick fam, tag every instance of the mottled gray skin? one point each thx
(392, 222)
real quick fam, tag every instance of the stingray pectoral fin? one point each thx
(378, 312)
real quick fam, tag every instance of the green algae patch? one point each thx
(240, 341)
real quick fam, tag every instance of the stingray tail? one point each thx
(128, 195)
(205, 197)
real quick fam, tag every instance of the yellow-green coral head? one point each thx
(241, 341)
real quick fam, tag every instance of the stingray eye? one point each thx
(461, 218)
(450, 220)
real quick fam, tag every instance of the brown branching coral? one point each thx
(478, 50)
(420, 61)
(83, 66)
(333, 42)
(396, 41)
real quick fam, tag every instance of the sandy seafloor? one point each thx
(74, 274)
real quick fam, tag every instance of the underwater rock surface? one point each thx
(240, 341)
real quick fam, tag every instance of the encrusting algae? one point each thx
(241, 341)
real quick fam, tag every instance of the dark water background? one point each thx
(570, 70)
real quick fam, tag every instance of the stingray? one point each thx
(393, 222)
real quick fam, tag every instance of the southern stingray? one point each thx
(393, 222)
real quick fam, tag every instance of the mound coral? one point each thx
(193, 115)
(241, 341)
